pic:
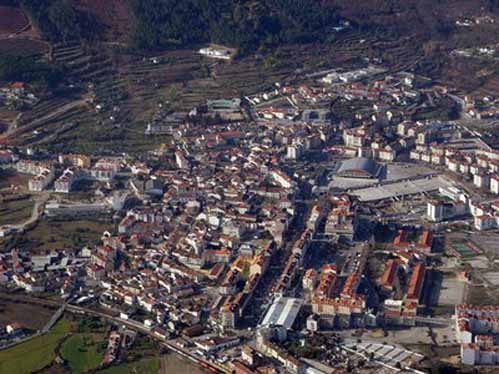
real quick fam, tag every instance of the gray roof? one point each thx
(359, 165)
(283, 312)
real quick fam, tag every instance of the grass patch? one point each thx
(145, 366)
(49, 235)
(83, 352)
(34, 354)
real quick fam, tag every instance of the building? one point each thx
(105, 169)
(361, 168)
(216, 344)
(342, 219)
(219, 53)
(224, 105)
(416, 283)
(69, 177)
(281, 316)
(42, 180)
(494, 184)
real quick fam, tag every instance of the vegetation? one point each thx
(60, 21)
(146, 366)
(83, 352)
(15, 210)
(242, 24)
(34, 354)
(28, 69)
(58, 234)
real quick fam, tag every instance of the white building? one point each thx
(223, 54)
(42, 180)
(281, 316)
(494, 185)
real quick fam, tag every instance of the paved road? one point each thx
(435, 321)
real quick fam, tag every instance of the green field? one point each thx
(49, 235)
(145, 366)
(34, 354)
(83, 352)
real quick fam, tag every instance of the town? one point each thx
(337, 222)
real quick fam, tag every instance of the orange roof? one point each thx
(17, 85)
(388, 276)
(416, 282)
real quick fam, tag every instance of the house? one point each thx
(216, 343)
(14, 328)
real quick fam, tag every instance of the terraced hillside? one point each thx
(114, 92)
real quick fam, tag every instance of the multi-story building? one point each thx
(40, 181)
(69, 177)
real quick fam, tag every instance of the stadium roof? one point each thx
(359, 168)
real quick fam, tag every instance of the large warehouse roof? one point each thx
(283, 312)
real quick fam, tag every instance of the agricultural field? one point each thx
(34, 354)
(23, 47)
(12, 20)
(33, 317)
(145, 366)
(83, 351)
(14, 210)
(130, 87)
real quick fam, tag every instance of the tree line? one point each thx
(28, 69)
(60, 21)
(246, 25)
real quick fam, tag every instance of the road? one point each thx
(37, 212)
(435, 321)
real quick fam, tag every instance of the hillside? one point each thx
(104, 51)
(112, 15)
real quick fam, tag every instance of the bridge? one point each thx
(55, 317)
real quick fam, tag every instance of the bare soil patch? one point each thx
(12, 20)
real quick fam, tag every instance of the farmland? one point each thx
(15, 210)
(83, 352)
(35, 354)
(33, 317)
(22, 47)
(145, 366)
(182, 79)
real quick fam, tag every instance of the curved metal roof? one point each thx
(359, 165)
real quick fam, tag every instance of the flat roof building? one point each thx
(282, 315)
